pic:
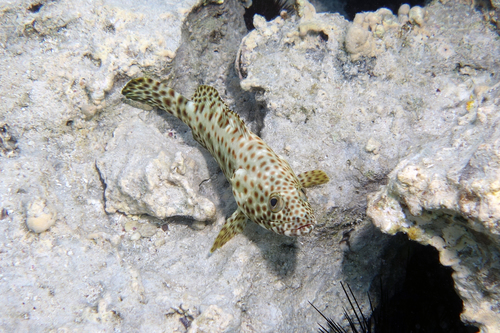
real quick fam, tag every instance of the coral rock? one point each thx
(145, 173)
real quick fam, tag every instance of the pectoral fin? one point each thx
(234, 225)
(313, 178)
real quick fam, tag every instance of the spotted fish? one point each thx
(264, 185)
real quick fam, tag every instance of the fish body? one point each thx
(264, 185)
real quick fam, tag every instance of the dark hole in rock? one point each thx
(424, 300)
(420, 300)
(267, 8)
(323, 36)
(35, 8)
(352, 7)
(110, 28)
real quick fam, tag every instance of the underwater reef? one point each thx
(109, 207)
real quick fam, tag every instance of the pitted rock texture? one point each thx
(63, 65)
(411, 93)
(145, 172)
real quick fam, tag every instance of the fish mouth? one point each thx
(304, 226)
(289, 230)
(303, 230)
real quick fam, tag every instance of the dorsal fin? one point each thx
(203, 93)
(208, 100)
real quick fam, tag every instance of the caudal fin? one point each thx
(155, 93)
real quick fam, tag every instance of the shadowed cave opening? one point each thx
(420, 298)
(426, 300)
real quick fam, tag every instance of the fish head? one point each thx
(291, 213)
(283, 209)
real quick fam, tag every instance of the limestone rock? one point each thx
(212, 320)
(39, 216)
(148, 173)
(434, 128)
(447, 195)
(308, 99)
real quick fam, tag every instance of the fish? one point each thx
(264, 185)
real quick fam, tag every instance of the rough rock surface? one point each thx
(419, 90)
(447, 195)
(63, 65)
(146, 174)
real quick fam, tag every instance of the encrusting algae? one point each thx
(264, 185)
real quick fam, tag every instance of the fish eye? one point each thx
(302, 194)
(276, 203)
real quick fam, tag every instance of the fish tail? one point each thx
(155, 93)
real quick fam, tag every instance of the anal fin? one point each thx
(233, 226)
(313, 178)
